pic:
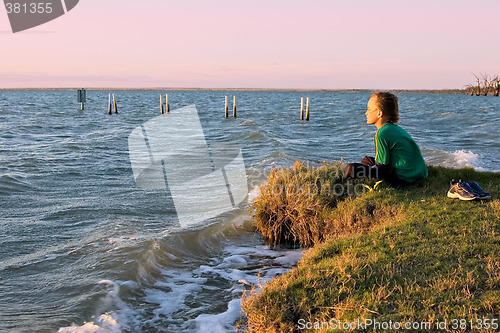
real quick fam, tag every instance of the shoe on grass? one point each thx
(483, 195)
(462, 191)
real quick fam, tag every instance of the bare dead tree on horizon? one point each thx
(484, 84)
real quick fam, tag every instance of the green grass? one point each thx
(392, 254)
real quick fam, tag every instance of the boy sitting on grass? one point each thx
(398, 158)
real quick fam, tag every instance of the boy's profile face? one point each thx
(372, 112)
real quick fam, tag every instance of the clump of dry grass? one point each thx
(297, 205)
(292, 205)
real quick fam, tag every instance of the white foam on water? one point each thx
(222, 322)
(172, 293)
(110, 321)
(253, 194)
(106, 323)
(456, 159)
(290, 258)
(51, 256)
(468, 159)
(222, 278)
(238, 261)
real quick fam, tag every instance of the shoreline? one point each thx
(400, 255)
(410, 91)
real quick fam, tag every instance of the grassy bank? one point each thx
(407, 255)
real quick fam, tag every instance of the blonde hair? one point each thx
(388, 104)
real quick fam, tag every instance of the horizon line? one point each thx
(416, 90)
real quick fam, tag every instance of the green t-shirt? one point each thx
(395, 147)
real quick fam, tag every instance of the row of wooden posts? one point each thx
(109, 104)
(165, 108)
(226, 110)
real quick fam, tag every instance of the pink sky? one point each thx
(256, 44)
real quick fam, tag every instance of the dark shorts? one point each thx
(368, 168)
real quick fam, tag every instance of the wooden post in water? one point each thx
(234, 106)
(81, 98)
(226, 109)
(307, 109)
(167, 107)
(161, 105)
(302, 108)
(109, 103)
(114, 102)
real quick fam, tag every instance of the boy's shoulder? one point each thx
(391, 129)
(388, 128)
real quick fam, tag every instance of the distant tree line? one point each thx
(484, 85)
